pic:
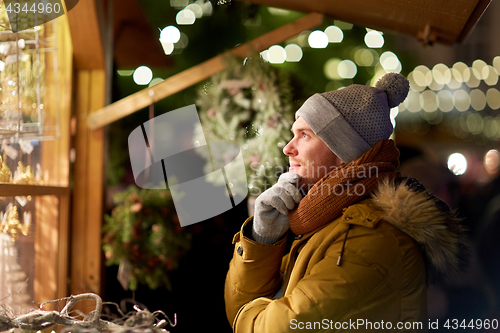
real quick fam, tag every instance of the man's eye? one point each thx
(304, 135)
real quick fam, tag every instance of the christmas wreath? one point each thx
(144, 237)
(250, 104)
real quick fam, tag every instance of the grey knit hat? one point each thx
(353, 119)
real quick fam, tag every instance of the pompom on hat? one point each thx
(353, 119)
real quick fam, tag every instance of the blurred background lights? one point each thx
(183, 42)
(343, 25)
(457, 163)
(142, 75)
(276, 54)
(473, 77)
(490, 75)
(207, 8)
(318, 39)
(493, 98)
(264, 54)
(347, 69)
(441, 74)
(302, 38)
(475, 123)
(196, 9)
(445, 101)
(168, 48)
(335, 34)
(179, 4)
(477, 100)
(170, 34)
(422, 76)
(496, 63)
(185, 17)
(293, 52)
(478, 65)
(462, 100)
(428, 101)
(125, 72)
(456, 75)
(155, 81)
(374, 39)
(390, 62)
(330, 69)
(492, 161)
(365, 57)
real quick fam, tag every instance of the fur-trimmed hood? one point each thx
(428, 220)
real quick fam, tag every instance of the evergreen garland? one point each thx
(250, 104)
(143, 232)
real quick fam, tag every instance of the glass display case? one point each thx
(34, 166)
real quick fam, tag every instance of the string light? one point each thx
(347, 69)
(276, 54)
(374, 39)
(142, 75)
(334, 33)
(293, 53)
(318, 40)
(457, 163)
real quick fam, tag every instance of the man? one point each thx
(366, 241)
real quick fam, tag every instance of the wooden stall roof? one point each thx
(444, 21)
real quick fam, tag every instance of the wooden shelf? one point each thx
(12, 190)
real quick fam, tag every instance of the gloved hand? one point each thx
(270, 220)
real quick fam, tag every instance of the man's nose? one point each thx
(290, 149)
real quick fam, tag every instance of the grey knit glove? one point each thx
(270, 220)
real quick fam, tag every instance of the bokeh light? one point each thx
(168, 48)
(318, 39)
(185, 17)
(365, 57)
(493, 98)
(477, 99)
(390, 62)
(276, 54)
(374, 39)
(441, 74)
(142, 75)
(196, 9)
(330, 69)
(457, 163)
(170, 34)
(445, 101)
(293, 52)
(347, 69)
(155, 81)
(492, 161)
(335, 34)
(428, 101)
(462, 100)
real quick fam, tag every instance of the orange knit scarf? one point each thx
(344, 186)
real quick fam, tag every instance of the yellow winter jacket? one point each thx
(366, 270)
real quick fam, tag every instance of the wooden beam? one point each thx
(86, 36)
(88, 194)
(193, 75)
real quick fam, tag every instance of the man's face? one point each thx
(309, 156)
